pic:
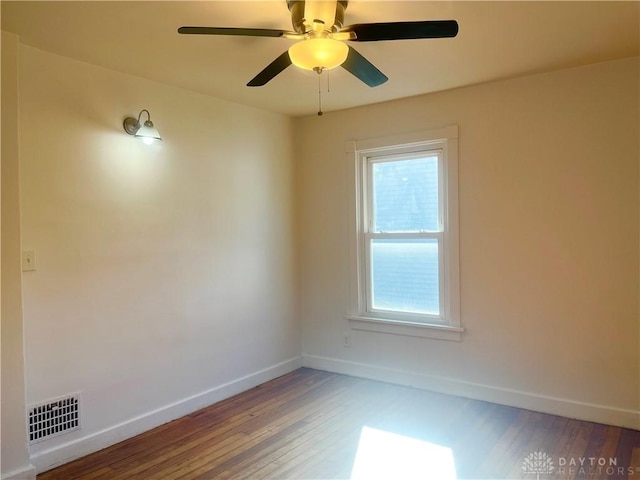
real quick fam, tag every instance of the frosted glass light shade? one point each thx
(318, 53)
(148, 132)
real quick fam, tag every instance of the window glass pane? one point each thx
(405, 195)
(404, 275)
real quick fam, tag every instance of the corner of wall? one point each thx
(15, 454)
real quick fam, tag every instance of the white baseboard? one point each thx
(26, 473)
(48, 459)
(504, 396)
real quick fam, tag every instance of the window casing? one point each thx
(404, 239)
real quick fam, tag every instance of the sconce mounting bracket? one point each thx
(131, 125)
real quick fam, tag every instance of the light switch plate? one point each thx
(28, 260)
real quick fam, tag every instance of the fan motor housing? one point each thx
(297, 9)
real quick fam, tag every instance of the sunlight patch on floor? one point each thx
(383, 455)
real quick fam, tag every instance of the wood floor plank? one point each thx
(308, 427)
(627, 443)
(194, 456)
(307, 424)
(492, 468)
(331, 424)
(348, 424)
(633, 470)
(608, 449)
(478, 443)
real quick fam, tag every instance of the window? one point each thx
(404, 262)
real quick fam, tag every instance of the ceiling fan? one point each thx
(318, 25)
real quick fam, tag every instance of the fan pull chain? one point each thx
(319, 95)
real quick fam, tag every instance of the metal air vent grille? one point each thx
(54, 418)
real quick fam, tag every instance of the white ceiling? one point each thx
(496, 40)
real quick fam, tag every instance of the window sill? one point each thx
(411, 329)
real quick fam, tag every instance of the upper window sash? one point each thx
(416, 153)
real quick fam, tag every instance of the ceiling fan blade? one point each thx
(373, 32)
(363, 69)
(247, 32)
(271, 70)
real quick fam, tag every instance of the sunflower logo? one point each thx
(537, 463)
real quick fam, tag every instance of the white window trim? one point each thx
(445, 139)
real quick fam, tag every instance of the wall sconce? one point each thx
(146, 131)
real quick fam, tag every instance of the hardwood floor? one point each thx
(309, 424)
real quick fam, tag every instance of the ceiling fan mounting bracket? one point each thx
(303, 25)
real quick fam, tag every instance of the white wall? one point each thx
(166, 274)
(549, 205)
(15, 456)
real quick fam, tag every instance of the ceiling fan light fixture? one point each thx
(318, 54)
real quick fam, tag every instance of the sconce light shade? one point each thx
(146, 131)
(318, 54)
